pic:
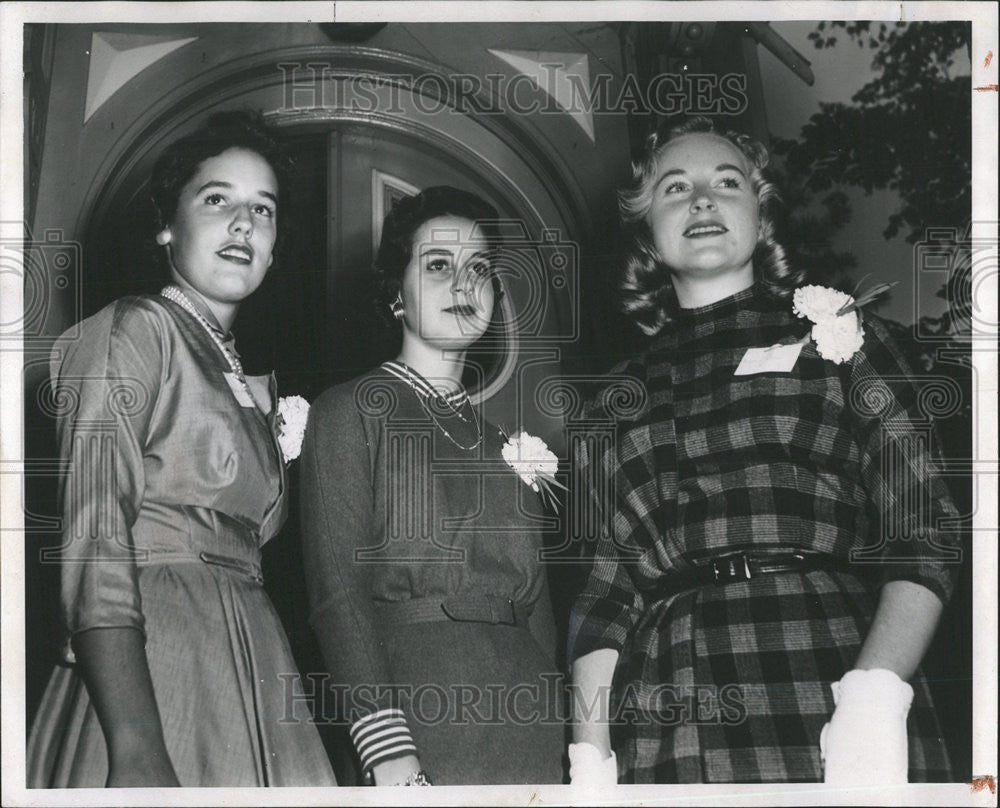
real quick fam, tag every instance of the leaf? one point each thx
(908, 129)
(552, 481)
(869, 296)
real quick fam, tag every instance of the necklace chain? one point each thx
(177, 295)
(429, 410)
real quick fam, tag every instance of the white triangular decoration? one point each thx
(556, 82)
(115, 58)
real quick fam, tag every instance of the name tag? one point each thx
(242, 396)
(260, 386)
(776, 359)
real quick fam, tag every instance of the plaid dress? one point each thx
(732, 683)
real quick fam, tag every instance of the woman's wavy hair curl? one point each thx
(646, 288)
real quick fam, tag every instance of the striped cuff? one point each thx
(382, 736)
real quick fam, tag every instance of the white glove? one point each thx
(589, 768)
(864, 744)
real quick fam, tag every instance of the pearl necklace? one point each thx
(421, 394)
(177, 295)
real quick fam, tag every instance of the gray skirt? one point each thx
(223, 676)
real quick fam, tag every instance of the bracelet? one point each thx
(419, 778)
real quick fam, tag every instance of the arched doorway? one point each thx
(353, 114)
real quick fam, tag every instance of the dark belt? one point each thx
(472, 607)
(738, 567)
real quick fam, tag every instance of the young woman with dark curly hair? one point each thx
(421, 544)
(732, 629)
(178, 671)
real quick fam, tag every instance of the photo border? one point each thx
(12, 587)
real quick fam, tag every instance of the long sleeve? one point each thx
(338, 518)
(894, 425)
(105, 384)
(604, 612)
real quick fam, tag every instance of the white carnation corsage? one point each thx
(534, 463)
(836, 318)
(293, 411)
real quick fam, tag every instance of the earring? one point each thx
(396, 307)
(163, 237)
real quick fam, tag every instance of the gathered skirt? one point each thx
(228, 692)
(732, 683)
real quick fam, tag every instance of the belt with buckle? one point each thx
(471, 607)
(739, 567)
(248, 564)
(249, 568)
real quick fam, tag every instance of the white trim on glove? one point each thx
(865, 741)
(589, 768)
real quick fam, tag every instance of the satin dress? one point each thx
(174, 481)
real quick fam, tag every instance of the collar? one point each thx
(407, 374)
